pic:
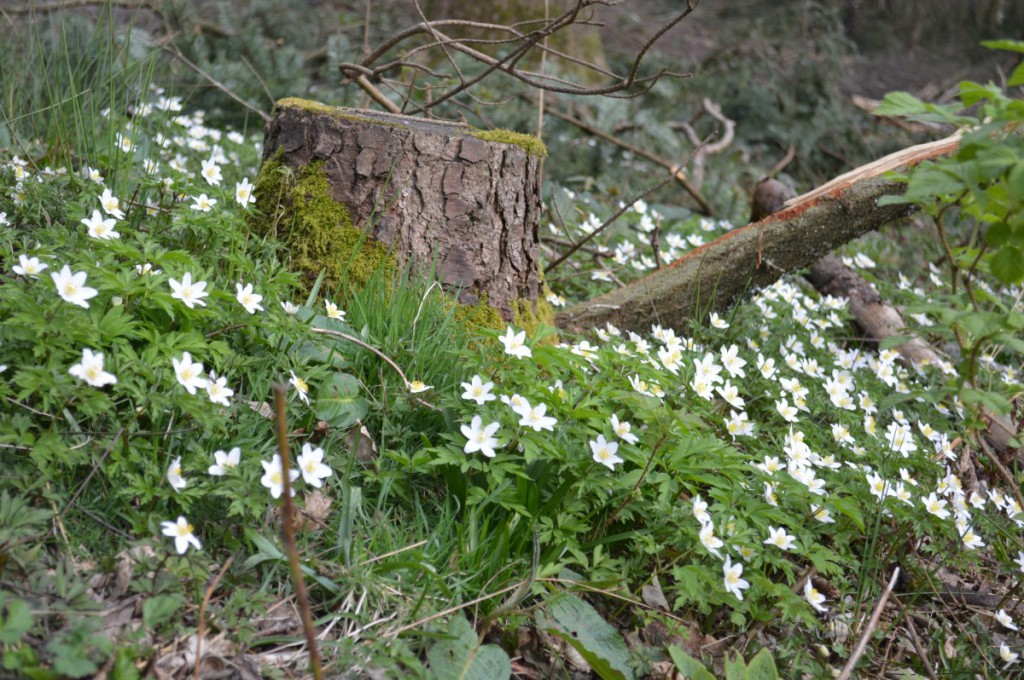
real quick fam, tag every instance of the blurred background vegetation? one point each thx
(789, 74)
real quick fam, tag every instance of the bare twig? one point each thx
(618, 213)
(357, 341)
(287, 513)
(629, 496)
(173, 49)
(916, 640)
(201, 630)
(783, 162)
(537, 38)
(85, 482)
(674, 168)
(862, 643)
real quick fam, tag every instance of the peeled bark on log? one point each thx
(877, 319)
(715, 275)
(432, 192)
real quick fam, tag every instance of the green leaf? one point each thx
(15, 620)
(338, 403)
(998, 234)
(900, 104)
(597, 641)
(762, 667)
(971, 93)
(461, 657)
(1010, 45)
(929, 182)
(1007, 264)
(159, 609)
(1017, 77)
(688, 666)
(735, 669)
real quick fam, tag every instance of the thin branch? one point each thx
(287, 513)
(618, 213)
(202, 615)
(862, 643)
(85, 482)
(357, 341)
(173, 49)
(675, 169)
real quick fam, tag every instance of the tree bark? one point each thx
(433, 192)
(715, 275)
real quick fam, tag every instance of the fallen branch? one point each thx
(715, 275)
(862, 643)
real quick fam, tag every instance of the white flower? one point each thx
(289, 307)
(935, 506)
(174, 477)
(477, 390)
(90, 369)
(146, 269)
(273, 476)
(181, 530)
(555, 300)
(29, 266)
(971, 540)
(243, 192)
(417, 386)
(218, 390)
(779, 538)
(311, 464)
(534, 417)
(190, 293)
(225, 461)
(102, 229)
(814, 597)
(718, 322)
(247, 298)
(622, 430)
(111, 205)
(333, 311)
(72, 288)
(479, 438)
(301, 387)
(515, 344)
(700, 510)
(709, 540)
(786, 411)
(211, 172)
(604, 451)
(203, 203)
(189, 373)
(734, 583)
(1005, 619)
(822, 515)
(1007, 655)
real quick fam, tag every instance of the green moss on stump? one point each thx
(528, 143)
(299, 211)
(533, 146)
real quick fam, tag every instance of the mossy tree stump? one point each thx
(432, 193)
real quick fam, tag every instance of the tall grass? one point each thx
(60, 73)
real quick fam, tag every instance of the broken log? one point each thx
(715, 275)
(437, 194)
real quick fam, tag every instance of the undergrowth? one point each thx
(750, 481)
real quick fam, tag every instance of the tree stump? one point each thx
(432, 193)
